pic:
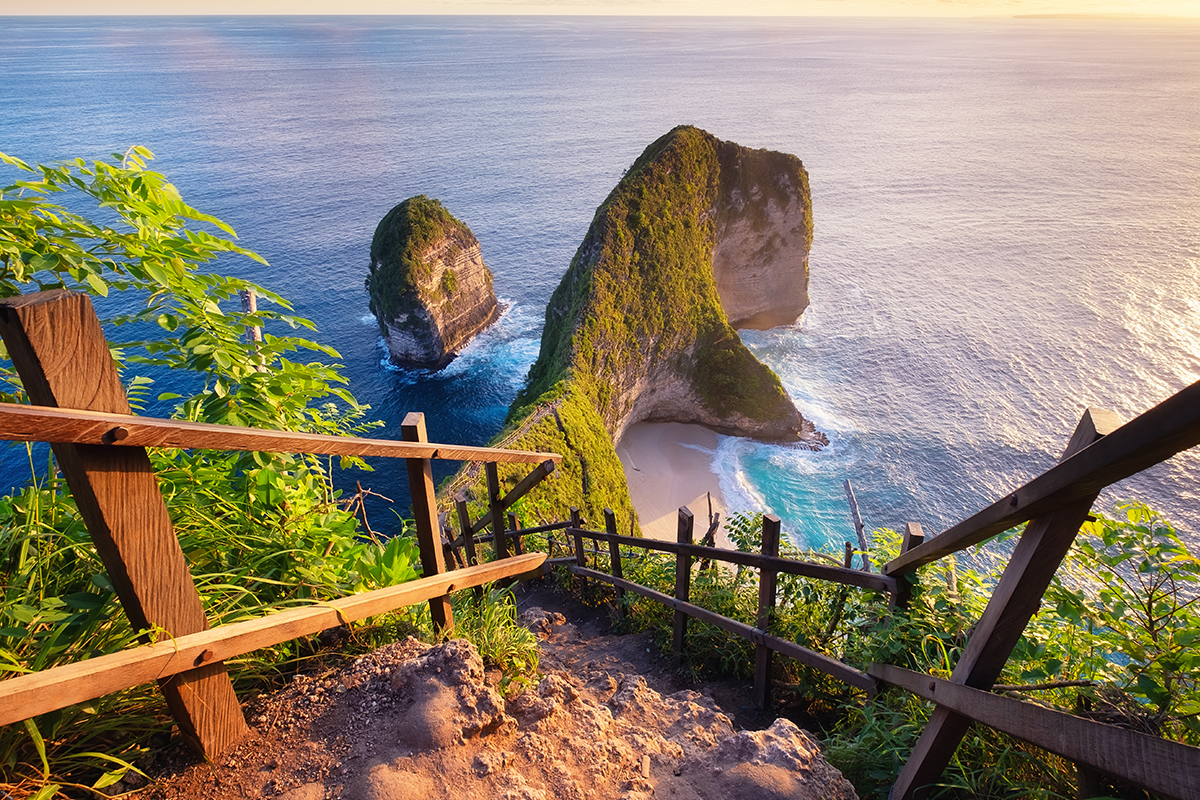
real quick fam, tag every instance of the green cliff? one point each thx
(638, 330)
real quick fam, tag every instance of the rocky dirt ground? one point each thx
(606, 719)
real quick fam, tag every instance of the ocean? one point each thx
(1007, 212)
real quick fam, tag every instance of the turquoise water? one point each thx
(1007, 212)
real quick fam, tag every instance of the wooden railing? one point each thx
(59, 351)
(1054, 505)
(62, 358)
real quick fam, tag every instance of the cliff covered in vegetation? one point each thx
(639, 328)
(430, 290)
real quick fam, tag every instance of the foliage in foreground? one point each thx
(260, 531)
(1121, 615)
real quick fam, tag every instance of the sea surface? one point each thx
(1007, 211)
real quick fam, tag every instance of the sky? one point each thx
(923, 8)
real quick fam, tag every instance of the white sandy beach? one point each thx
(664, 473)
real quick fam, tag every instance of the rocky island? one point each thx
(430, 290)
(699, 232)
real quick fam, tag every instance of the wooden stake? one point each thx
(614, 559)
(429, 538)
(767, 581)
(683, 583)
(858, 526)
(496, 510)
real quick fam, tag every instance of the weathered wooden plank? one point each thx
(59, 350)
(914, 534)
(495, 514)
(1014, 601)
(1162, 766)
(819, 661)
(858, 525)
(614, 560)
(464, 524)
(535, 476)
(766, 606)
(683, 582)
(70, 425)
(425, 516)
(1169, 428)
(807, 569)
(42, 692)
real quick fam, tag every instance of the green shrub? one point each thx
(260, 531)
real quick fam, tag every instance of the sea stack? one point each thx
(699, 234)
(430, 290)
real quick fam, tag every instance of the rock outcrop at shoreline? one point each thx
(699, 232)
(430, 290)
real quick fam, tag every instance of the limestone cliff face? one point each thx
(699, 233)
(430, 290)
(763, 233)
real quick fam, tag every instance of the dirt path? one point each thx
(414, 722)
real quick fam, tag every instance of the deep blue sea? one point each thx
(1007, 211)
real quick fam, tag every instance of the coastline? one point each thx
(665, 470)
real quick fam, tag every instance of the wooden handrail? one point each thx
(819, 661)
(807, 569)
(1169, 428)
(1160, 765)
(74, 426)
(49, 690)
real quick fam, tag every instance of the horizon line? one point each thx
(1100, 16)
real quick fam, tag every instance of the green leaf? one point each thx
(39, 744)
(97, 283)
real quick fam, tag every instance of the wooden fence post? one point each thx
(914, 535)
(580, 558)
(59, 350)
(429, 535)
(614, 559)
(496, 504)
(767, 580)
(468, 536)
(517, 541)
(858, 526)
(683, 583)
(1016, 598)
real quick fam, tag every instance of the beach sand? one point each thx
(664, 473)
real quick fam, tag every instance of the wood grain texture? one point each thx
(1014, 601)
(1161, 766)
(1169, 428)
(820, 661)
(74, 425)
(59, 350)
(767, 581)
(425, 517)
(42, 692)
(807, 569)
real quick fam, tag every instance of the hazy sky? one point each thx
(956, 8)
